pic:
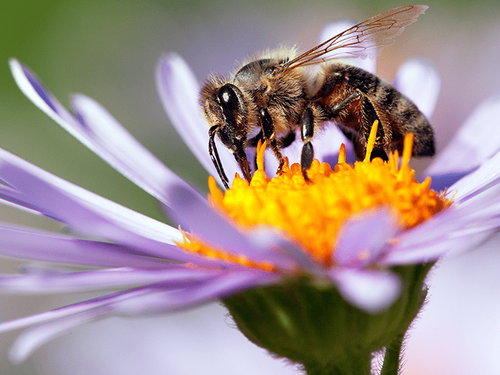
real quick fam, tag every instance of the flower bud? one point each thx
(310, 324)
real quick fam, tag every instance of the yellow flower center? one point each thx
(313, 212)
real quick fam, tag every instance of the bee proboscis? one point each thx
(273, 97)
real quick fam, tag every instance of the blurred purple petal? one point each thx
(435, 248)
(371, 291)
(48, 281)
(157, 301)
(421, 83)
(178, 90)
(140, 301)
(20, 207)
(271, 237)
(483, 178)
(63, 312)
(457, 229)
(327, 145)
(31, 244)
(378, 227)
(153, 299)
(441, 182)
(31, 339)
(476, 141)
(101, 133)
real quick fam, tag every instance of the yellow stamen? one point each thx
(342, 153)
(314, 212)
(371, 141)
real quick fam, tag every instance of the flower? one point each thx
(151, 263)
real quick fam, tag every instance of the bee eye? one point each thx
(228, 97)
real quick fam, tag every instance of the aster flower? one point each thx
(242, 246)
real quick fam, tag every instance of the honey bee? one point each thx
(274, 97)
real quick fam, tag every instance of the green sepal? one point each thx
(310, 323)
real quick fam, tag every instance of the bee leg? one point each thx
(360, 138)
(344, 103)
(270, 136)
(282, 142)
(307, 133)
(287, 139)
(241, 157)
(253, 142)
(369, 117)
(214, 155)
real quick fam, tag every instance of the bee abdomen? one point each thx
(423, 137)
(414, 121)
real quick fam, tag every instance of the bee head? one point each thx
(224, 106)
(226, 112)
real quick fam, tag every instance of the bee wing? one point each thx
(365, 39)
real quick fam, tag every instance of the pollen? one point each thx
(313, 211)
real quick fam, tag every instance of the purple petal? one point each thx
(195, 215)
(162, 301)
(31, 339)
(327, 145)
(85, 212)
(362, 238)
(459, 228)
(486, 176)
(444, 181)
(268, 237)
(336, 27)
(433, 249)
(371, 291)
(178, 90)
(101, 133)
(147, 300)
(120, 149)
(54, 315)
(420, 82)
(38, 94)
(19, 207)
(476, 141)
(48, 281)
(37, 245)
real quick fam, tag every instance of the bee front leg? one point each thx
(270, 136)
(214, 155)
(241, 158)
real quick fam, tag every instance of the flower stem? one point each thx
(393, 357)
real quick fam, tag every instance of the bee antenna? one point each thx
(214, 155)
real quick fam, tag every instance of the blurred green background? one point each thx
(108, 50)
